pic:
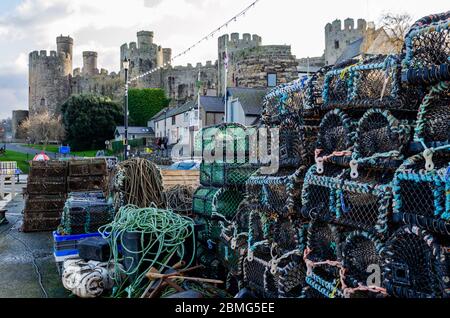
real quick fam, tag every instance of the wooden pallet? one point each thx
(172, 178)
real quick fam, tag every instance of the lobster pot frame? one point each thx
(415, 265)
(422, 197)
(322, 257)
(278, 193)
(335, 139)
(380, 140)
(363, 204)
(313, 91)
(362, 256)
(283, 101)
(292, 276)
(44, 169)
(427, 48)
(48, 185)
(209, 201)
(88, 167)
(433, 123)
(223, 174)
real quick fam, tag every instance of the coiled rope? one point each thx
(163, 234)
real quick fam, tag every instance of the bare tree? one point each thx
(43, 128)
(396, 26)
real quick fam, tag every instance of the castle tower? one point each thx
(233, 44)
(49, 77)
(145, 40)
(337, 38)
(90, 63)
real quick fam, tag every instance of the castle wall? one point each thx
(18, 117)
(49, 80)
(105, 84)
(337, 38)
(251, 66)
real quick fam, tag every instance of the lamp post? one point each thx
(126, 66)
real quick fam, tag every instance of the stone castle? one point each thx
(52, 79)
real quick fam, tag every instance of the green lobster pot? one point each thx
(224, 202)
(222, 174)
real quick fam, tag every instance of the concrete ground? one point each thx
(27, 266)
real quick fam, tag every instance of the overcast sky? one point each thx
(103, 25)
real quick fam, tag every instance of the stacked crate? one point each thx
(87, 175)
(45, 195)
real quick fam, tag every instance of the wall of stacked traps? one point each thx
(360, 206)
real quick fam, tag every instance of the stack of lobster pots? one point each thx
(45, 195)
(370, 215)
(217, 202)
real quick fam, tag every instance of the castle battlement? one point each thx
(198, 66)
(44, 55)
(236, 41)
(349, 25)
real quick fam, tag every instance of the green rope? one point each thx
(165, 232)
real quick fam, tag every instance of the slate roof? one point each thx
(351, 51)
(251, 99)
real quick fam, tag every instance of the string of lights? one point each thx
(205, 38)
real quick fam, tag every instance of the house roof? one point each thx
(251, 99)
(212, 104)
(135, 130)
(351, 51)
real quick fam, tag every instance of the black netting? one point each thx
(314, 89)
(292, 277)
(282, 102)
(413, 265)
(335, 133)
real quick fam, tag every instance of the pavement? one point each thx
(27, 266)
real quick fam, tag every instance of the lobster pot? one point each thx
(433, 123)
(283, 101)
(292, 276)
(335, 138)
(40, 223)
(82, 216)
(363, 204)
(44, 203)
(427, 47)
(380, 141)
(45, 169)
(223, 174)
(257, 273)
(221, 201)
(87, 183)
(422, 197)
(278, 193)
(313, 98)
(48, 186)
(88, 167)
(310, 293)
(223, 141)
(322, 257)
(209, 233)
(415, 265)
(361, 257)
(337, 87)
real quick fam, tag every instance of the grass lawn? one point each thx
(55, 149)
(21, 159)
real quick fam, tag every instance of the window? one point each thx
(186, 117)
(43, 102)
(271, 80)
(336, 44)
(174, 121)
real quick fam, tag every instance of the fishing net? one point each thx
(427, 48)
(380, 140)
(223, 174)
(361, 258)
(292, 277)
(421, 196)
(414, 265)
(433, 123)
(335, 138)
(179, 199)
(280, 192)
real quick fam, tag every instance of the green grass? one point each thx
(21, 159)
(55, 149)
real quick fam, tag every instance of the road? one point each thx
(27, 266)
(30, 151)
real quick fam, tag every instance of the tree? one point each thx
(90, 120)
(42, 128)
(145, 103)
(396, 26)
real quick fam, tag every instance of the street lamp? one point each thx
(126, 67)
